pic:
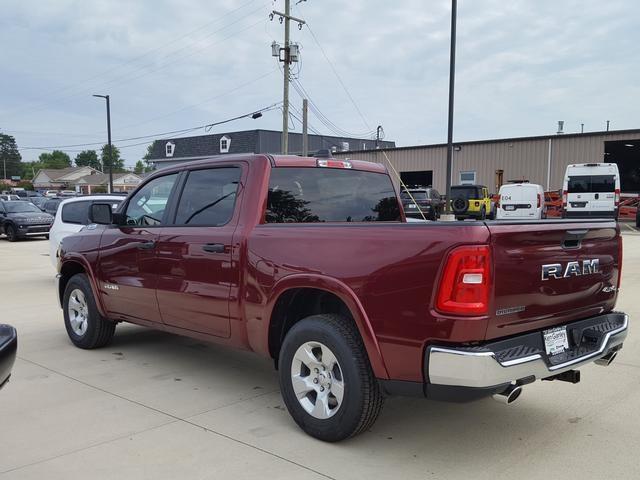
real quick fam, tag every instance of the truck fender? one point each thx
(79, 259)
(350, 299)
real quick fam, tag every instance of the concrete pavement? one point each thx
(154, 405)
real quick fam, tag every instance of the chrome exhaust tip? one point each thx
(607, 359)
(508, 396)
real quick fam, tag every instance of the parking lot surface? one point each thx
(154, 405)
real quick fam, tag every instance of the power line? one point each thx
(323, 118)
(335, 72)
(150, 67)
(162, 134)
(145, 54)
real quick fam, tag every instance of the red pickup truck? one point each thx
(310, 261)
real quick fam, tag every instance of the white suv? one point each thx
(72, 215)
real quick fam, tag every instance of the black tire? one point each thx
(362, 400)
(638, 217)
(10, 232)
(459, 205)
(99, 330)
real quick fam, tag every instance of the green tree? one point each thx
(29, 169)
(10, 158)
(56, 159)
(88, 158)
(118, 162)
(139, 168)
(148, 156)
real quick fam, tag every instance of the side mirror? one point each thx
(101, 214)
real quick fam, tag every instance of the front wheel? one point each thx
(326, 380)
(10, 232)
(85, 326)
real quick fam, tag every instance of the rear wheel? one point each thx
(85, 326)
(326, 380)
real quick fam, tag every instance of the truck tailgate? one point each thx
(552, 272)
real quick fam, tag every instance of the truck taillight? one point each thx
(619, 260)
(334, 163)
(465, 282)
(565, 194)
(617, 197)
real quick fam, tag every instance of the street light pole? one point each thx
(106, 97)
(452, 74)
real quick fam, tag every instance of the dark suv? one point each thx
(20, 219)
(425, 199)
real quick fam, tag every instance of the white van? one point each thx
(591, 190)
(521, 201)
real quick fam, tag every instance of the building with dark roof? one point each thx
(171, 151)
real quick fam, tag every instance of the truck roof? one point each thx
(285, 161)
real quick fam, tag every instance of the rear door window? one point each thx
(209, 197)
(579, 184)
(76, 212)
(603, 183)
(591, 183)
(307, 195)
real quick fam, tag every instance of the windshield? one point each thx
(465, 192)
(21, 207)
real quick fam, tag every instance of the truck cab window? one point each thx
(147, 206)
(308, 195)
(209, 197)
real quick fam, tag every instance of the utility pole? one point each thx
(452, 73)
(287, 55)
(106, 97)
(305, 125)
(378, 130)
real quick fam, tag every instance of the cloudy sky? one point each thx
(171, 65)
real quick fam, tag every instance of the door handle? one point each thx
(213, 247)
(146, 245)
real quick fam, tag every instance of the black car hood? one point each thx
(32, 216)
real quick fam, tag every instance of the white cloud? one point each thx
(522, 65)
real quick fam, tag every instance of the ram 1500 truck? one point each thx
(310, 261)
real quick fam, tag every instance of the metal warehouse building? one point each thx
(541, 160)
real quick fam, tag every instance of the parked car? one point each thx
(9, 197)
(308, 261)
(521, 201)
(591, 190)
(39, 202)
(8, 349)
(51, 205)
(26, 194)
(426, 200)
(471, 201)
(51, 193)
(20, 219)
(73, 216)
(67, 193)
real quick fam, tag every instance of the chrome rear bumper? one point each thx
(523, 358)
